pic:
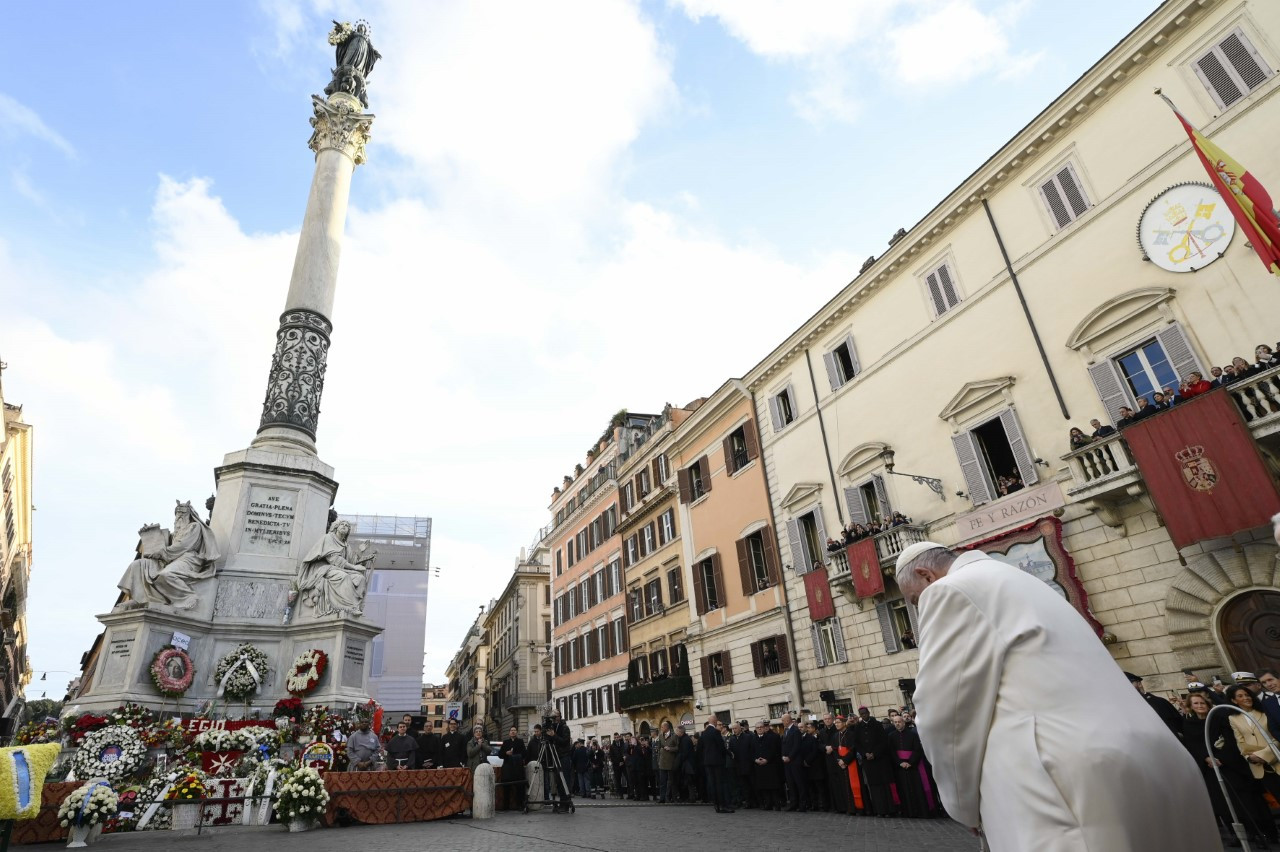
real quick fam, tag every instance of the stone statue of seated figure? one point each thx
(171, 574)
(333, 577)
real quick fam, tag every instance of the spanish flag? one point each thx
(1248, 199)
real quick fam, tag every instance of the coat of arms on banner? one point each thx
(1197, 471)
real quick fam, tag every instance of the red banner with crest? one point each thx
(864, 567)
(1203, 469)
(817, 588)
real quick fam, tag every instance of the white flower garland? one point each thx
(340, 33)
(241, 673)
(304, 675)
(88, 762)
(242, 739)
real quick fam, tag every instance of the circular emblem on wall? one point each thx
(1186, 227)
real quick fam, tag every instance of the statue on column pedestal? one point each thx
(355, 58)
(170, 573)
(334, 576)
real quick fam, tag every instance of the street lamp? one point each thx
(934, 485)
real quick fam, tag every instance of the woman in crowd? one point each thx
(914, 790)
(477, 748)
(1238, 749)
(1194, 386)
(1078, 438)
(1193, 730)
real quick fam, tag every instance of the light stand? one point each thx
(934, 485)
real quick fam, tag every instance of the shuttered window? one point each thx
(888, 630)
(769, 656)
(782, 408)
(716, 670)
(675, 588)
(1159, 361)
(943, 293)
(998, 440)
(708, 584)
(828, 643)
(868, 500)
(757, 562)
(808, 538)
(740, 447)
(1064, 196)
(842, 363)
(1231, 69)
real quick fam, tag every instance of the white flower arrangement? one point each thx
(341, 32)
(305, 674)
(243, 739)
(100, 805)
(240, 673)
(112, 753)
(300, 794)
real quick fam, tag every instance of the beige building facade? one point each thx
(16, 470)
(658, 684)
(941, 382)
(519, 627)
(434, 697)
(740, 647)
(468, 674)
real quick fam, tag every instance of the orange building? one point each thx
(739, 644)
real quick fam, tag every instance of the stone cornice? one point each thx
(711, 412)
(1018, 155)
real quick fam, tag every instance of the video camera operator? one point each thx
(555, 735)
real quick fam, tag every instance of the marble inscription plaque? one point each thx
(268, 521)
(250, 599)
(116, 668)
(353, 663)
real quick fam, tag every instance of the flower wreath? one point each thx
(305, 674)
(165, 683)
(113, 753)
(240, 673)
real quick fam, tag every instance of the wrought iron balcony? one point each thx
(671, 688)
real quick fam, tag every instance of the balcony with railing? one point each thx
(889, 544)
(1104, 472)
(668, 689)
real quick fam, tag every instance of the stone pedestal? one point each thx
(133, 637)
(483, 790)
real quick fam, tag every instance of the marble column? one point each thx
(291, 410)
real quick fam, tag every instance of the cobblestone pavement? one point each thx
(597, 827)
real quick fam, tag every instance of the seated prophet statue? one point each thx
(171, 574)
(333, 577)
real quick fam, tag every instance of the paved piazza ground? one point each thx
(600, 827)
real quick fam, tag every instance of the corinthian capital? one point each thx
(340, 124)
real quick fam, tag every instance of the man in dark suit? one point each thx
(792, 737)
(1163, 708)
(1127, 416)
(1099, 430)
(1269, 701)
(452, 752)
(711, 747)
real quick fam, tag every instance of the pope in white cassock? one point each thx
(1035, 735)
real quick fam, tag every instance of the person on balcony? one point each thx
(1217, 378)
(1264, 358)
(1240, 369)
(1196, 385)
(1099, 430)
(834, 546)
(1078, 438)
(1161, 402)
(1127, 416)
(898, 519)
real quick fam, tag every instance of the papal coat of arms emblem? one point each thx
(866, 570)
(1197, 471)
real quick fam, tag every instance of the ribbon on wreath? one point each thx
(247, 813)
(84, 803)
(155, 806)
(243, 661)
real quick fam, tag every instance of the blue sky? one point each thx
(557, 195)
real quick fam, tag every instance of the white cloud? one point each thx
(844, 46)
(21, 120)
(952, 43)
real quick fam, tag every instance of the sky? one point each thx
(568, 208)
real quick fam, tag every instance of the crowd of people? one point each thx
(856, 766)
(1235, 745)
(1195, 384)
(856, 532)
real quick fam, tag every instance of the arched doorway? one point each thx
(644, 729)
(1250, 627)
